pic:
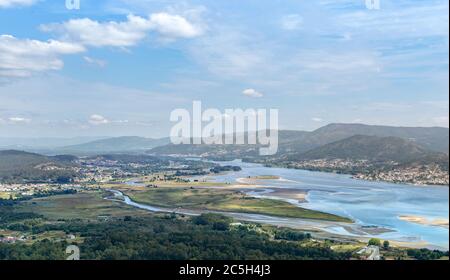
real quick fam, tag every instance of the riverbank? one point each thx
(369, 203)
(226, 200)
(321, 229)
(414, 176)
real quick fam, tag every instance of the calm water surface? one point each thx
(368, 203)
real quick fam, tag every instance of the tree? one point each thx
(374, 242)
(386, 245)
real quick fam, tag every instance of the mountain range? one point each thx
(372, 148)
(351, 141)
(427, 140)
(382, 148)
(115, 145)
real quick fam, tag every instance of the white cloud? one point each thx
(13, 3)
(94, 61)
(229, 54)
(93, 33)
(317, 119)
(121, 122)
(407, 20)
(174, 26)
(252, 93)
(18, 120)
(339, 61)
(22, 57)
(123, 34)
(98, 120)
(291, 22)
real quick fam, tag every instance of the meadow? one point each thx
(225, 200)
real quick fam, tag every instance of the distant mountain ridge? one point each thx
(296, 142)
(432, 138)
(116, 145)
(380, 152)
(290, 142)
(18, 143)
(371, 148)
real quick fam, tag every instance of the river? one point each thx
(377, 204)
(374, 206)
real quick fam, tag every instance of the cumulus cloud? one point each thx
(174, 26)
(291, 22)
(13, 3)
(252, 93)
(22, 57)
(123, 34)
(316, 119)
(98, 120)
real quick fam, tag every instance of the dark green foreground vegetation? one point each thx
(166, 237)
(129, 234)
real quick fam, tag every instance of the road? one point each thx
(375, 255)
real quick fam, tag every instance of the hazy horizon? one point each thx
(99, 137)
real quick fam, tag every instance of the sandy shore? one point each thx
(425, 221)
(294, 194)
(254, 180)
(237, 187)
(299, 195)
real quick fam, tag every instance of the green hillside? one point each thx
(23, 167)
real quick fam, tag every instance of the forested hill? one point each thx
(22, 167)
(372, 148)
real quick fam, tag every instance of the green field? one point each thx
(227, 201)
(87, 205)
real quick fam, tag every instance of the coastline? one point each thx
(357, 176)
(319, 228)
(410, 236)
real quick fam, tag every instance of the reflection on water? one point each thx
(368, 203)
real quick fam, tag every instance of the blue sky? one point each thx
(119, 67)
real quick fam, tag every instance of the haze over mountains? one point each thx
(434, 139)
(380, 146)
(82, 145)
(371, 148)
(431, 138)
(117, 144)
(43, 143)
(415, 141)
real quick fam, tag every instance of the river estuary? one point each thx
(376, 207)
(377, 204)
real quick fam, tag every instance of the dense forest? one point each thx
(171, 237)
(166, 237)
(23, 167)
